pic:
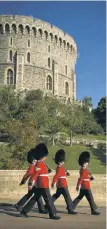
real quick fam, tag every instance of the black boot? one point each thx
(95, 213)
(43, 211)
(17, 207)
(23, 214)
(55, 217)
(46, 209)
(72, 212)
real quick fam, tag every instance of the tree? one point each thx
(72, 119)
(100, 113)
(53, 119)
(22, 137)
(87, 101)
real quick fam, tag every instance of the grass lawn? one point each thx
(91, 137)
(96, 165)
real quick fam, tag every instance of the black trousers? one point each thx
(88, 194)
(25, 198)
(66, 195)
(38, 192)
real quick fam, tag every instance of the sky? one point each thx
(86, 22)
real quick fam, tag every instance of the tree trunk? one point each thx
(53, 140)
(71, 138)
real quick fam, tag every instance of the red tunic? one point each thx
(29, 173)
(40, 176)
(60, 177)
(84, 179)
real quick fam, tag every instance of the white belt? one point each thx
(86, 179)
(43, 175)
(62, 177)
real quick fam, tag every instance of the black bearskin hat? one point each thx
(59, 156)
(83, 158)
(31, 155)
(41, 151)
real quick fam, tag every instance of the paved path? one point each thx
(9, 219)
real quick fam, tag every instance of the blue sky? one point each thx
(86, 22)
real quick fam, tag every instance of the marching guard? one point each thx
(60, 179)
(40, 184)
(83, 184)
(31, 158)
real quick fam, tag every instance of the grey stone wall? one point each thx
(10, 189)
(46, 41)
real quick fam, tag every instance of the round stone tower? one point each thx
(37, 55)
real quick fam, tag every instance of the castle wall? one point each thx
(25, 36)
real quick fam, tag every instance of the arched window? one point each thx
(14, 28)
(60, 41)
(10, 55)
(10, 77)
(49, 48)
(51, 36)
(27, 29)
(20, 29)
(34, 31)
(28, 57)
(66, 88)
(64, 43)
(1, 29)
(40, 33)
(65, 69)
(68, 46)
(46, 35)
(11, 41)
(49, 83)
(56, 39)
(7, 28)
(28, 43)
(49, 62)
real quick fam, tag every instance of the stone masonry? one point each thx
(37, 55)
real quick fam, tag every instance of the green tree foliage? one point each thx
(53, 118)
(100, 113)
(87, 101)
(25, 117)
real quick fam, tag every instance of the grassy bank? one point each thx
(97, 163)
(91, 137)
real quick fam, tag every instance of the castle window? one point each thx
(1, 29)
(20, 28)
(60, 41)
(46, 35)
(14, 28)
(56, 39)
(66, 88)
(71, 48)
(49, 83)
(68, 46)
(10, 77)
(49, 48)
(51, 36)
(11, 41)
(64, 43)
(7, 28)
(10, 55)
(49, 62)
(27, 29)
(28, 43)
(34, 31)
(65, 69)
(40, 33)
(28, 57)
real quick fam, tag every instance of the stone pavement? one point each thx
(9, 219)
